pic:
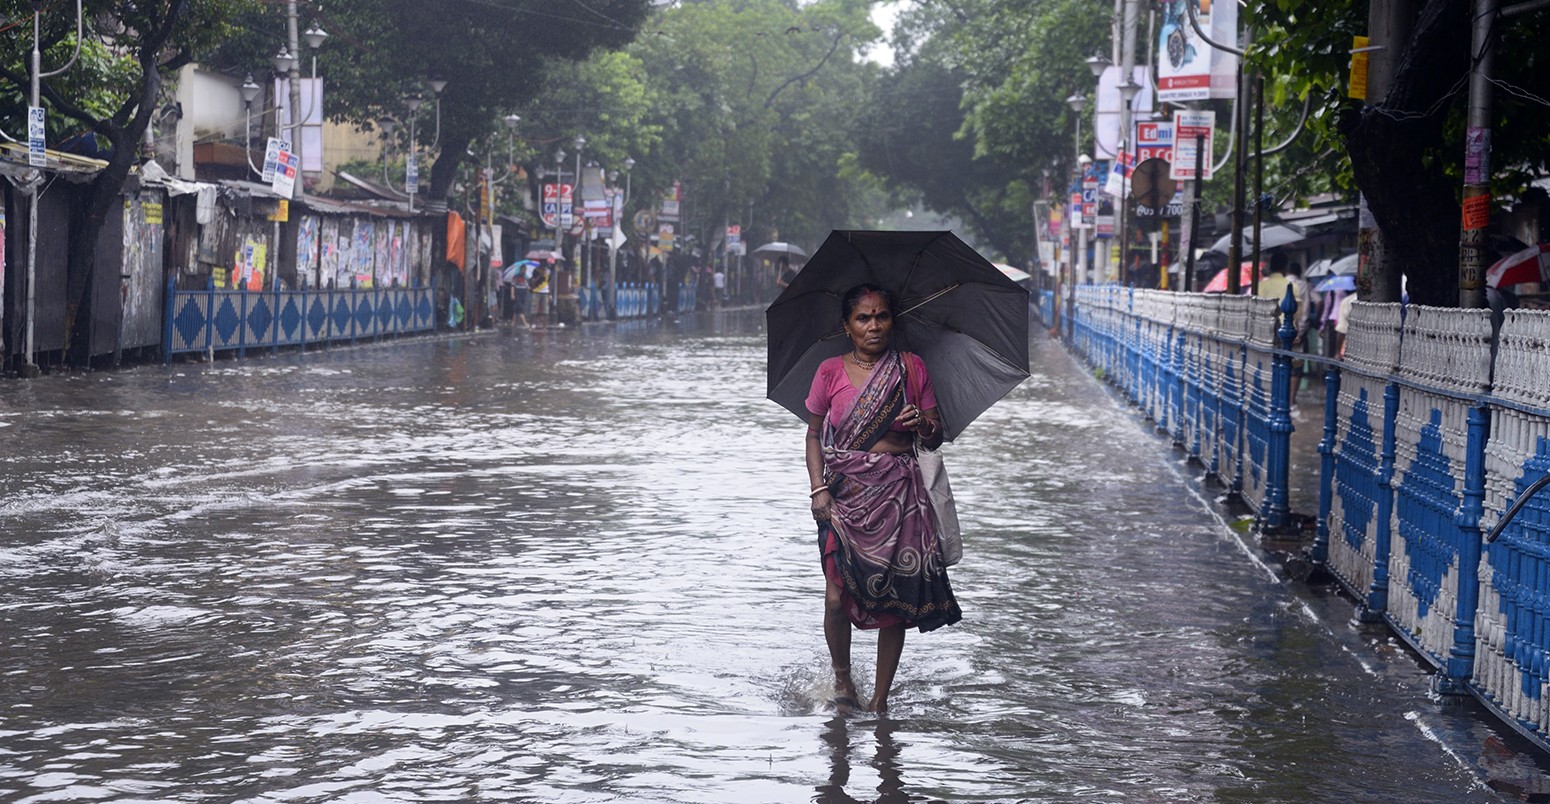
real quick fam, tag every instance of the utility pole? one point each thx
(293, 42)
(1477, 157)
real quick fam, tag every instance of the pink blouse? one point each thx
(833, 393)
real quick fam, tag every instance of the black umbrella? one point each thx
(966, 319)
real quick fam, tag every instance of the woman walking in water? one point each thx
(882, 562)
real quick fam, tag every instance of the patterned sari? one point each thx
(880, 545)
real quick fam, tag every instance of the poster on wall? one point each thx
(396, 262)
(307, 231)
(382, 273)
(1187, 67)
(361, 252)
(344, 265)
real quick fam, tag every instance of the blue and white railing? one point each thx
(222, 320)
(1433, 429)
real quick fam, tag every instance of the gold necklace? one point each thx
(855, 357)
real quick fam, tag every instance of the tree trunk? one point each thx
(89, 217)
(1395, 146)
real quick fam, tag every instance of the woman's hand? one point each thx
(822, 502)
(912, 418)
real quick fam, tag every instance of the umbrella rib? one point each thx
(933, 297)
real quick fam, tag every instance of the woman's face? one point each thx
(870, 325)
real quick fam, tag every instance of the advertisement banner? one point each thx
(286, 165)
(1090, 176)
(37, 137)
(1154, 141)
(272, 157)
(1192, 129)
(1188, 67)
(1118, 176)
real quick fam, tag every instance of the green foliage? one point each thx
(976, 116)
(755, 104)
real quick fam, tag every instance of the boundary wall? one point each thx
(1435, 424)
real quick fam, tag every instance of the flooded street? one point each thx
(578, 566)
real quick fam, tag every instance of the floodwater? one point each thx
(577, 566)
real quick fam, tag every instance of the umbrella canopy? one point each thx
(1345, 282)
(966, 319)
(509, 275)
(1529, 265)
(1331, 266)
(778, 249)
(1218, 283)
(1272, 235)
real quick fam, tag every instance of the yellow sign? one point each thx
(1358, 87)
(152, 214)
(282, 213)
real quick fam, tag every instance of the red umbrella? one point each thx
(1529, 265)
(1218, 283)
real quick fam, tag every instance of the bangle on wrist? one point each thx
(814, 492)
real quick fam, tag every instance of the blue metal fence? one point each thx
(1432, 430)
(1201, 368)
(219, 320)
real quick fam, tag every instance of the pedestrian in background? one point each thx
(719, 281)
(520, 295)
(538, 285)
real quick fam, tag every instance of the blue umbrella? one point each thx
(1345, 282)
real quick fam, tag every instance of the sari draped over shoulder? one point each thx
(880, 545)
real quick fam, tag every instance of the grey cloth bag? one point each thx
(934, 473)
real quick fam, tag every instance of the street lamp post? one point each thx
(575, 195)
(1128, 92)
(412, 159)
(1078, 102)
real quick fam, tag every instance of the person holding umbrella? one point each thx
(850, 341)
(882, 564)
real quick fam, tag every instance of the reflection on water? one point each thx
(576, 566)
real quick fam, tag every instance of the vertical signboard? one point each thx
(1189, 68)
(287, 163)
(272, 157)
(1192, 130)
(37, 137)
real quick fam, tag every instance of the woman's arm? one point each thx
(820, 493)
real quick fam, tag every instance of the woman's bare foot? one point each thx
(845, 698)
(878, 705)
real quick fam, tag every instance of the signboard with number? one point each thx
(412, 174)
(37, 137)
(1192, 129)
(734, 235)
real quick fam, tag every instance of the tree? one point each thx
(495, 57)
(974, 117)
(151, 38)
(1405, 153)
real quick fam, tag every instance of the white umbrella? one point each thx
(778, 248)
(1271, 235)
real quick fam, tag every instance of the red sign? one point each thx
(556, 204)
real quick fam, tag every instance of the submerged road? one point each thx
(577, 566)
